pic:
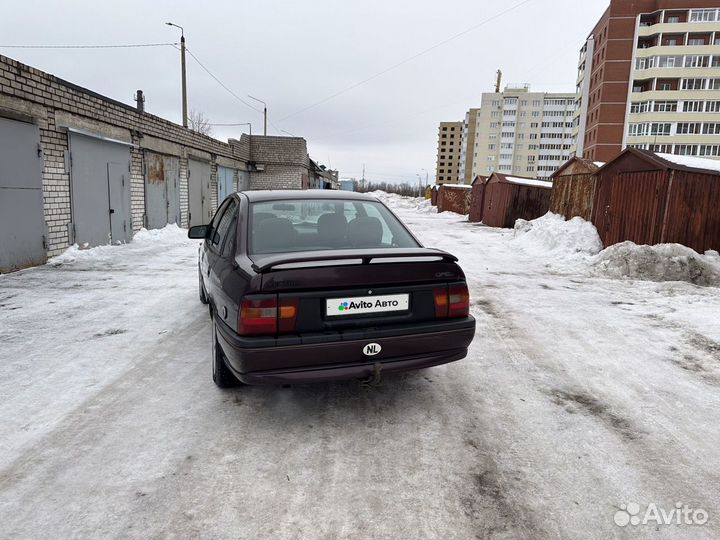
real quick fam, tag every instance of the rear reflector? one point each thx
(452, 302)
(267, 317)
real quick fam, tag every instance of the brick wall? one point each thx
(284, 160)
(41, 97)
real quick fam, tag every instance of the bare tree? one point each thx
(197, 121)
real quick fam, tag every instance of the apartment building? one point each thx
(447, 169)
(520, 132)
(648, 77)
(469, 133)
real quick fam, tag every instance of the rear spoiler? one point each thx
(265, 263)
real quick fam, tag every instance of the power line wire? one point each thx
(128, 46)
(406, 60)
(233, 94)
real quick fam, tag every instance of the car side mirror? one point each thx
(199, 231)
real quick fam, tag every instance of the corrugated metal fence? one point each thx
(573, 195)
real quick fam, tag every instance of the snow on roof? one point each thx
(599, 164)
(528, 181)
(692, 161)
(461, 186)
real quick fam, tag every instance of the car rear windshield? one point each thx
(316, 224)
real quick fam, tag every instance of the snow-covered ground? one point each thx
(593, 382)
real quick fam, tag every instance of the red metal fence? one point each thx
(453, 199)
(657, 207)
(505, 202)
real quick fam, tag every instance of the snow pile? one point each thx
(552, 235)
(663, 262)
(417, 204)
(75, 253)
(170, 233)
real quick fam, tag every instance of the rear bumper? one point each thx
(340, 356)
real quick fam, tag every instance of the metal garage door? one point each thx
(162, 199)
(199, 193)
(243, 181)
(225, 183)
(22, 223)
(100, 191)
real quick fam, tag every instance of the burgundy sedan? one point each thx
(307, 286)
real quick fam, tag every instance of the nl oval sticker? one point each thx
(371, 349)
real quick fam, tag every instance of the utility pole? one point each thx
(264, 113)
(182, 69)
(498, 82)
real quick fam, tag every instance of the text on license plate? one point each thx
(367, 304)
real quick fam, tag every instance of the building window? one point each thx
(688, 128)
(673, 19)
(665, 106)
(697, 61)
(693, 84)
(686, 149)
(709, 150)
(712, 106)
(703, 15)
(693, 106)
(491, 147)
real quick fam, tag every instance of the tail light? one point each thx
(458, 301)
(257, 317)
(287, 314)
(267, 316)
(452, 302)
(441, 303)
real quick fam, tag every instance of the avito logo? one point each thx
(362, 304)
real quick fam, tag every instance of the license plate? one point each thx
(359, 305)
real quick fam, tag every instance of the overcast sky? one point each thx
(293, 54)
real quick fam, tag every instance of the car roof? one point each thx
(297, 194)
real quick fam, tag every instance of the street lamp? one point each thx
(264, 113)
(182, 68)
(427, 176)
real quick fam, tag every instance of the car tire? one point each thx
(221, 374)
(203, 295)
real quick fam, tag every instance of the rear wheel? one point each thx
(221, 374)
(203, 295)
